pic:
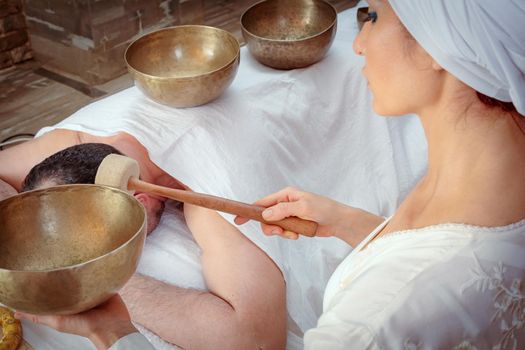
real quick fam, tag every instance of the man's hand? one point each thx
(103, 325)
(6, 190)
(334, 218)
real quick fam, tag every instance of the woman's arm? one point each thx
(335, 219)
(359, 224)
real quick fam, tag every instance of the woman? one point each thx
(445, 271)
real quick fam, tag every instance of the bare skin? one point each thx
(245, 307)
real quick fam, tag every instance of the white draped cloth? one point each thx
(480, 42)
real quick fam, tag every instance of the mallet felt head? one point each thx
(116, 170)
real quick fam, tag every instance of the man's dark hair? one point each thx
(74, 165)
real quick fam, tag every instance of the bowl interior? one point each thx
(66, 225)
(288, 19)
(183, 51)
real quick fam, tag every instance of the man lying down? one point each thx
(246, 290)
(245, 305)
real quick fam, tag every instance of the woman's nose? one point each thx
(358, 45)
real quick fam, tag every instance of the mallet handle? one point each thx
(254, 212)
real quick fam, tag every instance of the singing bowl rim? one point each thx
(189, 77)
(91, 261)
(261, 38)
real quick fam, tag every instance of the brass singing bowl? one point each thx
(288, 34)
(66, 249)
(184, 66)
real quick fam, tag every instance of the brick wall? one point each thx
(86, 39)
(14, 40)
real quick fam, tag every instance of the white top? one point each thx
(448, 286)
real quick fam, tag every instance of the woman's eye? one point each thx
(372, 16)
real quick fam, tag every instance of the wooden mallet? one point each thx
(123, 173)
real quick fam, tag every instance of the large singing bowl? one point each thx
(184, 66)
(287, 34)
(66, 249)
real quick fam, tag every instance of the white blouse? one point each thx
(448, 286)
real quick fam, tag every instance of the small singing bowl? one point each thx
(184, 66)
(288, 34)
(67, 249)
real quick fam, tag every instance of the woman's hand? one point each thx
(329, 214)
(103, 325)
(334, 218)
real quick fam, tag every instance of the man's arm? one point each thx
(244, 309)
(246, 305)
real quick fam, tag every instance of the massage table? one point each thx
(312, 128)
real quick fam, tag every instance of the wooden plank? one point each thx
(29, 101)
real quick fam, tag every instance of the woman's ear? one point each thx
(144, 199)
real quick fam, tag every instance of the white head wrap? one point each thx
(480, 42)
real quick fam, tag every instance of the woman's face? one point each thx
(401, 75)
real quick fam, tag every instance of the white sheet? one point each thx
(311, 128)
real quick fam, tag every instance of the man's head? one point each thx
(78, 165)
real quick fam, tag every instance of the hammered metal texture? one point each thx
(288, 34)
(184, 66)
(66, 249)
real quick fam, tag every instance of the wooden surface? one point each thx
(30, 99)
